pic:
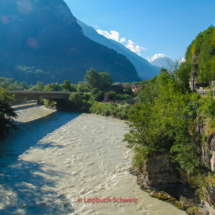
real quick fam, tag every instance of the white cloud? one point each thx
(156, 56)
(134, 48)
(114, 35)
(182, 60)
(122, 40)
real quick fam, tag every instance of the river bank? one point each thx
(66, 156)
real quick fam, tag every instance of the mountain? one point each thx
(42, 41)
(145, 70)
(162, 62)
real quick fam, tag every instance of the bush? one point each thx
(112, 109)
(86, 96)
(97, 95)
(76, 100)
(122, 96)
(49, 103)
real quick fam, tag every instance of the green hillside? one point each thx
(201, 52)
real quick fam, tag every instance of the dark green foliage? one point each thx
(12, 84)
(105, 80)
(79, 102)
(164, 122)
(143, 83)
(183, 75)
(53, 87)
(128, 90)
(109, 97)
(73, 87)
(66, 86)
(76, 100)
(92, 78)
(86, 96)
(97, 95)
(6, 112)
(111, 92)
(100, 80)
(39, 87)
(82, 87)
(122, 96)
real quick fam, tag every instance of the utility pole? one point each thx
(27, 77)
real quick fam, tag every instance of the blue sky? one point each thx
(149, 27)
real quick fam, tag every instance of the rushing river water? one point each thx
(51, 163)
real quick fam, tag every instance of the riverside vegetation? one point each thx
(179, 124)
(169, 120)
(93, 94)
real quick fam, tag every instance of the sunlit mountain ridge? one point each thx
(41, 41)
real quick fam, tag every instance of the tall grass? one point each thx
(110, 109)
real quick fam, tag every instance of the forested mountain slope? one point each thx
(41, 41)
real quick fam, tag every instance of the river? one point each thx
(58, 161)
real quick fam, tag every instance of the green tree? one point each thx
(98, 80)
(66, 85)
(40, 86)
(76, 100)
(97, 95)
(128, 90)
(73, 87)
(24, 85)
(105, 80)
(53, 87)
(183, 75)
(6, 112)
(82, 87)
(92, 78)
(163, 123)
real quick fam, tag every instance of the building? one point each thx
(136, 88)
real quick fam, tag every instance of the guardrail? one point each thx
(204, 92)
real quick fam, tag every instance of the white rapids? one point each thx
(55, 164)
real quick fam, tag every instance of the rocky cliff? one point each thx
(45, 35)
(161, 180)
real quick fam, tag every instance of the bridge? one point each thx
(24, 96)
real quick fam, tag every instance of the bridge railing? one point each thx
(42, 92)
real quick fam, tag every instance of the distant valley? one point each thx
(145, 70)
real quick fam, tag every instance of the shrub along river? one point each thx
(52, 162)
